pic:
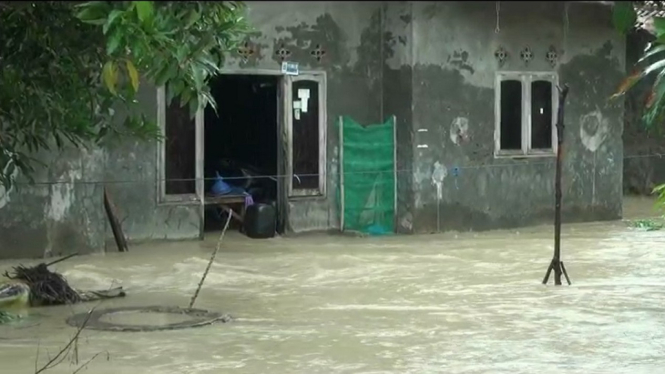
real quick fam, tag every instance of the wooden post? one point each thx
(118, 235)
(557, 264)
(341, 173)
(395, 173)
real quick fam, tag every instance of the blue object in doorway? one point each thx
(220, 187)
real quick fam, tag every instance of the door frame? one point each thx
(282, 196)
(179, 199)
(288, 81)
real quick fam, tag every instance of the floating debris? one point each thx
(46, 287)
(646, 224)
(50, 288)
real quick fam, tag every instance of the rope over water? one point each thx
(212, 259)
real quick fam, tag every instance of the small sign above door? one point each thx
(290, 68)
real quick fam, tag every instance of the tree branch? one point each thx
(57, 359)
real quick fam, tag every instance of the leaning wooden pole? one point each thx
(557, 264)
(116, 228)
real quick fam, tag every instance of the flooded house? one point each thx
(471, 88)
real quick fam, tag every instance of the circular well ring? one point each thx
(199, 317)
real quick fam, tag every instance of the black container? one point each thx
(259, 222)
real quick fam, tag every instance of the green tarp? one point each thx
(368, 168)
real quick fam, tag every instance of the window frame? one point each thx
(526, 78)
(320, 78)
(182, 199)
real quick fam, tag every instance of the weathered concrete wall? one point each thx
(62, 213)
(448, 51)
(643, 169)
(131, 170)
(398, 88)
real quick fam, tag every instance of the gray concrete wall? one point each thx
(398, 100)
(447, 53)
(132, 176)
(62, 213)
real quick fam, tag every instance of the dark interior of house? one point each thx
(241, 138)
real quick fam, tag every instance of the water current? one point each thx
(445, 303)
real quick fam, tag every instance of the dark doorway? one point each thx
(241, 139)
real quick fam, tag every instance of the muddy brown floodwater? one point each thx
(450, 303)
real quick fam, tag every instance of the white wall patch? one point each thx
(439, 173)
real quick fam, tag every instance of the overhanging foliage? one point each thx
(68, 68)
(627, 16)
(649, 15)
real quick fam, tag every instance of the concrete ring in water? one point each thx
(191, 318)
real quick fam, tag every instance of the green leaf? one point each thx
(656, 66)
(88, 14)
(133, 75)
(170, 94)
(165, 73)
(658, 189)
(624, 16)
(93, 12)
(182, 52)
(659, 26)
(110, 76)
(197, 74)
(97, 22)
(655, 100)
(144, 10)
(111, 19)
(208, 100)
(58, 140)
(113, 43)
(193, 107)
(193, 17)
(177, 86)
(185, 97)
(89, 4)
(652, 50)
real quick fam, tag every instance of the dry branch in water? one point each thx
(66, 351)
